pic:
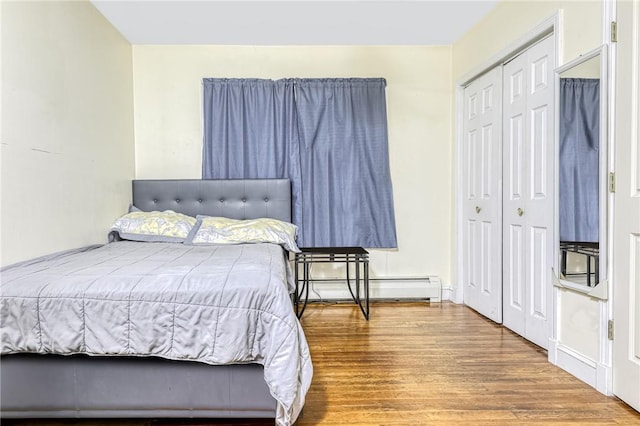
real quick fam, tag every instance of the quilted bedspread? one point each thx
(212, 304)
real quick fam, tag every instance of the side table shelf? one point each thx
(356, 256)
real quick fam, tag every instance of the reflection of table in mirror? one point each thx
(591, 274)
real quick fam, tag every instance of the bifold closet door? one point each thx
(481, 158)
(528, 191)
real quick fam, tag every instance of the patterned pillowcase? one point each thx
(167, 226)
(222, 230)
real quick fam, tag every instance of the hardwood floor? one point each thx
(438, 364)
(430, 364)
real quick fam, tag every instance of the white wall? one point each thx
(167, 85)
(67, 127)
(578, 321)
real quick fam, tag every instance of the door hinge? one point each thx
(610, 329)
(612, 182)
(614, 31)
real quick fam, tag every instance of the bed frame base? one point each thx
(49, 386)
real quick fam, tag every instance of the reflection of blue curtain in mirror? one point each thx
(579, 159)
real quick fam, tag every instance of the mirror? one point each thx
(581, 142)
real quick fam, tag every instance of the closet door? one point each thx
(528, 202)
(482, 226)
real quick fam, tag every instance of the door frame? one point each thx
(551, 26)
(621, 352)
(597, 373)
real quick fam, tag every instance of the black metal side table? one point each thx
(347, 255)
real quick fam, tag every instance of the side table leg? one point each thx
(296, 296)
(364, 305)
(366, 287)
(305, 287)
(357, 261)
(349, 281)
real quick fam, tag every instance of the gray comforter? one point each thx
(217, 305)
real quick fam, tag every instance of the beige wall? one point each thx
(67, 127)
(581, 31)
(167, 85)
(588, 69)
(512, 19)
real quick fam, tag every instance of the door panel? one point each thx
(626, 215)
(514, 164)
(471, 147)
(528, 206)
(488, 162)
(540, 71)
(481, 207)
(540, 205)
(538, 250)
(489, 286)
(471, 258)
(514, 282)
(516, 82)
(539, 170)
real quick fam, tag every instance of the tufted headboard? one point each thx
(232, 198)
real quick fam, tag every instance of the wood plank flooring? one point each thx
(430, 364)
(438, 364)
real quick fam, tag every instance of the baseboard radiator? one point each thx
(388, 288)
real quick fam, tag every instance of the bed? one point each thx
(259, 369)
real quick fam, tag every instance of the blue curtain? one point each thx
(579, 159)
(329, 136)
(250, 131)
(347, 195)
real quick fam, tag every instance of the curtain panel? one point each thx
(344, 156)
(250, 132)
(329, 136)
(579, 159)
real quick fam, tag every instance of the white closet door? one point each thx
(626, 232)
(482, 242)
(528, 192)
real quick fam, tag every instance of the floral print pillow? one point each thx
(222, 230)
(166, 226)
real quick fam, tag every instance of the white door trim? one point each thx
(609, 14)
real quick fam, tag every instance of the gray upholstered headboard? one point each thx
(233, 198)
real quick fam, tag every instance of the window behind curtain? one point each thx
(329, 136)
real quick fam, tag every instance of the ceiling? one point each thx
(301, 22)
